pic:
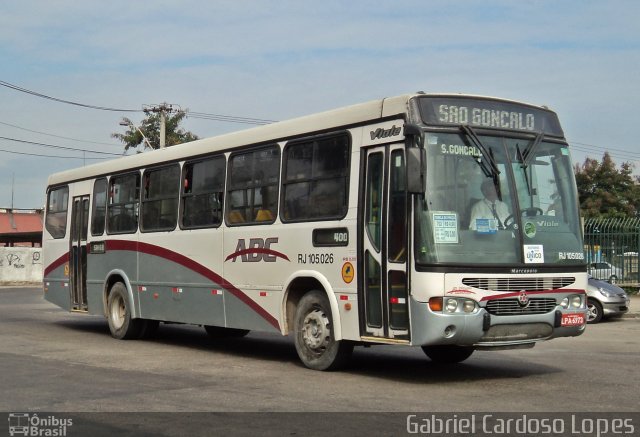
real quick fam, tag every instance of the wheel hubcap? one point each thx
(118, 312)
(315, 331)
(592, 312)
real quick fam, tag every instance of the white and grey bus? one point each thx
(348, 227)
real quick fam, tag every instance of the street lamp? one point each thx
(144, 138)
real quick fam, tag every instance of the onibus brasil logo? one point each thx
(32, 425)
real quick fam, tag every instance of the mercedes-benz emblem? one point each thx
(523, 299)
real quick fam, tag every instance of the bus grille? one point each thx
(513, 285)
(511, 307)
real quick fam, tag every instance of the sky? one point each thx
(282, 59)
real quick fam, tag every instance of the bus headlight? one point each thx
(459, 305)
(452, 305)
(576, 301)
(573, 301)
(469, 306)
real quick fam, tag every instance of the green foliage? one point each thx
(150, 126)
(606, 191)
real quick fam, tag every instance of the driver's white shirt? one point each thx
(482, 210)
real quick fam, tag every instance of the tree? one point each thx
(604, 191)
(151, 128)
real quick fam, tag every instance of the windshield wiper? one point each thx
(529, 151)
(490, 170)
(525, 157)
(524, 167)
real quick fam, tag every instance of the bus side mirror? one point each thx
(416, 170)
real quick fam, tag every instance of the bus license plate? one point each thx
(572, 320)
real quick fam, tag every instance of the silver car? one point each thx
(605, 300)
(605, 271)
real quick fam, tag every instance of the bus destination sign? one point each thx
(495, 114)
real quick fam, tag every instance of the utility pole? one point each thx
(163, 109)
(13, 182)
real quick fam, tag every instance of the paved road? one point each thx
(55, 361)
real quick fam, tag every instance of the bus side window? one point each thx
(99, 212)
(122, 209)
(315, 185)
(252, 187)
(57, 205)
(160, 199)
(202, 193)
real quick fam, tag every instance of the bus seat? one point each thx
(264, 215)
(235, 217)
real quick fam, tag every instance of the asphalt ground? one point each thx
(59, 365)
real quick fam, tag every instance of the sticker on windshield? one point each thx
(486, 226)
(564, 151)
(533, 254)
(445, 227)
(529, 229)
(433, 140)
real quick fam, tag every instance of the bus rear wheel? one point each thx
(314, 335)
(121, 324)
(447, 354)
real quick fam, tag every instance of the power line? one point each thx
(46, 156)
(616, 153)
(58, 136)
(53, 146)
(198, 115)
(598, 147)
(228, 118)
(69, 102)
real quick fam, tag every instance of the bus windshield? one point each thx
(515, 206)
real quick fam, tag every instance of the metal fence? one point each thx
(611, 247)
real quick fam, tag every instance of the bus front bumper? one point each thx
(486, 331)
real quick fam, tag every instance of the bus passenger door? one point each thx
(383, 252)
(78, 253)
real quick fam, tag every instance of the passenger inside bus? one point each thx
(490, 207)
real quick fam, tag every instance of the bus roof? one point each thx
(272, 132)
(306, 125)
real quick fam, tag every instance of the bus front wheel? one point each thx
(447, 354)
(314, 335)
(121, 324)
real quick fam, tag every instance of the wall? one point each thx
(20, 265)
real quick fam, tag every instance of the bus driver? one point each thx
(489, 207)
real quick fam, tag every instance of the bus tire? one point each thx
(220, 332)
(121, 324)
(314, 337)
(447, 354)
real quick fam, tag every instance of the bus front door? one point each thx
(383, 248)
(78, 253)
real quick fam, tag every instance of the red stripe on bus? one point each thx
(558, 290)
(177, 258)
(257, 250)
(57, 263)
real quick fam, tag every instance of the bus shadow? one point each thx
(271, 347)
(415, 367)
(398, 364)
(96, 324)
(255, 346)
